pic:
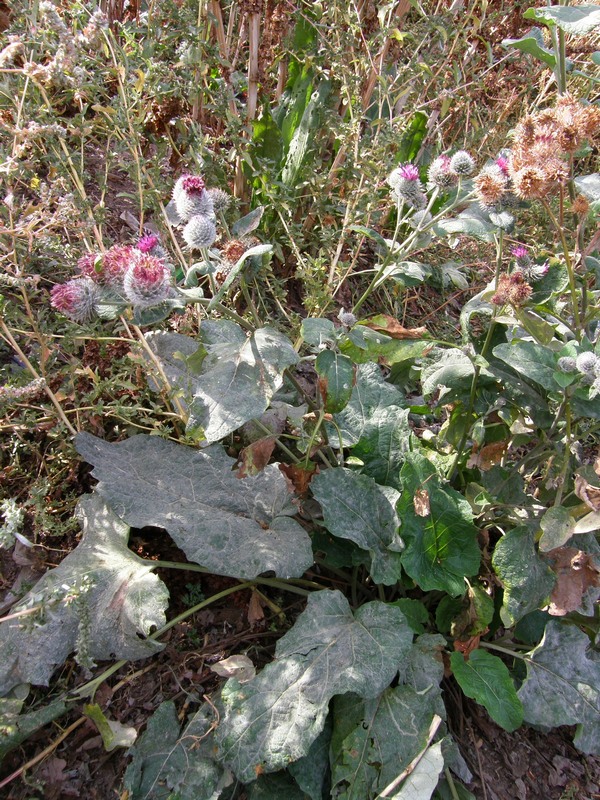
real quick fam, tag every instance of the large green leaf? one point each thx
(356, 508)
(274, 787)
(167, 759)
(310, 771)
(111, 618)
(576, 20)
(450, 373)
(486, 679)
(441, 540)
(534, 45)
(371, 395)
(533, 361)
(527, 579)
(233, 526)
(563, 684)
(238, 377)
(273, 719)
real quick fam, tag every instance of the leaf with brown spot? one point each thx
(576, 573)
(391, 327)
(255, 457)
(488, 456)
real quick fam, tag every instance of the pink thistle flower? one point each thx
(147, 243)
(147, 281)
(409, 172)
(76, 299)
(520, 252)
(116, 262)
(502, 163)
(193, 184)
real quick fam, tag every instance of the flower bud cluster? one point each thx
(140, 276)
(587, 367)
(195, 206)
(445, 171)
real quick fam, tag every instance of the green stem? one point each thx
(276, 583)
(568, 262)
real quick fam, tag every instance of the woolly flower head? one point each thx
(347, 318)
(220, 200)
(502, 163)
(107, 269)
(150, 243)
(76, 299)
(567, 364)
(491, 185)
(521, 255)
(190, 199)
(147, 281)
(462, 163)
(586, 363)
(441, 173)
(200, 232)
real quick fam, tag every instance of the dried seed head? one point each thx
(581, 205)
(490, 186)
(530, 183)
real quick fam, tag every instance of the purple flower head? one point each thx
(502, 163)
(147, 281)
(147, 243)
(193, 184)
(520, 252)
(409, 172)
(76, 299)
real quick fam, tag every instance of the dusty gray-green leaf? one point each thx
(310, 771)
(357, 508)
(318, 331)
(472, 222)
(563, 684)
(177, 355)
(239, 376)
(377, 739)
(384, 445)
(421, 782)
(232, 526)
(167, 760)
(248, 223)
(275, 787)
(528, 580)
(124, 603)
(275, 718)
(486, 679)
(557, 526)
(576, 20)
(589, 185)
(16, 728)
(452, 369)
(440, 538)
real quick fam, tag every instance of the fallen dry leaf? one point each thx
(588, 493)
(299, 477)
(391, 327)
(488, 456)
(255, 610)
(576, 572)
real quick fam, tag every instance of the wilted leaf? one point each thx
(231, 526)
(356, 508)
(254, 458)
(489, 456)
(391, 327)
(486, 679)
(527, 578)
(577, 575)
(124, 604)
(238, 666)
(441, 548)
(167, 761)
(375, 740)
(563, 685)
(113, 733)
(588, 492)
(421, 782)
(275, 718)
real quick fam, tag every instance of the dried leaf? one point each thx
(239, 667)
(255, 457)
(488, 456)
(587, 492)
(255, 611)
(391, 327)
(421, 503)
(299, 476)
(576, 573)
